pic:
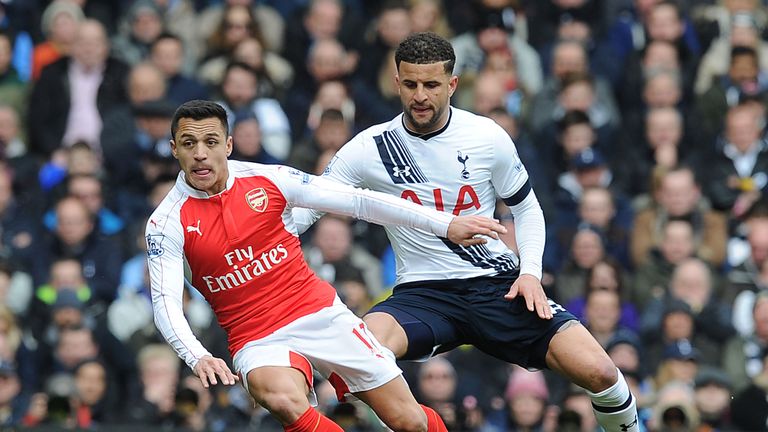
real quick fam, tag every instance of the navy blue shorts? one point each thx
(449, 313)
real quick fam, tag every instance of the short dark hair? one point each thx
(571, 118)
(426, 48)
(739, 50)
(165, 36)
(199, 110)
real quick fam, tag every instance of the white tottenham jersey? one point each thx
(460, 169)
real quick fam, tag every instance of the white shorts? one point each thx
(334, 341)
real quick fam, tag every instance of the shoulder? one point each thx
(480, 125)
(167, 214)
(367, 136)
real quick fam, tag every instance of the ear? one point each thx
(453, 83)
(173, 149)
(230, 145)
(397, 83)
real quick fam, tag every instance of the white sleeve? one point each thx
(510, 179)
(345, 167)
(165, 258)
(529, 234)
(320, 193)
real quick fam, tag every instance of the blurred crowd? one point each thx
(642, 124)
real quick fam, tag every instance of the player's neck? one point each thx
(426, 134)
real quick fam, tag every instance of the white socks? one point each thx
(615, 407)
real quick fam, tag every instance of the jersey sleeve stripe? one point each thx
(520, 195)
(162, 271)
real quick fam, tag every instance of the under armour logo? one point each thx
(195, 228)
(402, 173)
(627, 427)
(463, 160)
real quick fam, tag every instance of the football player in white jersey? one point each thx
(446, 294)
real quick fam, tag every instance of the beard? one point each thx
(425, 126)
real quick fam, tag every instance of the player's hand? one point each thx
(468, 230)
(533, 292)
(207, 368)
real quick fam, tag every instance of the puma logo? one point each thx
(195, 228)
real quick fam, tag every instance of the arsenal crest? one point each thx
(257, 199)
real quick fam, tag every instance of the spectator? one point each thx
(142, 26)
(331, 253)
(19, 234)
(743, 355)
(320, 20)
(13, 90)
(429, 15)
(743, 82)
(602, 312)
(662, 145)
(749, 407)
(607, 275)
(13, 403)
(675, 408)
(743, 32)
(332, 132)
(713, 398)
(159, 375)
(89, 189)
(737, 176)
(239, 94)
(246, 138)
(526, 399)
(693, 283)
(168, 55)
(64, 111)
(93, 403)
(59, 24)
(586, 251)
(569, 57)
(680, 363)
(679, 196)
(652, 278)
(219, 18)
(750, 277)
(494, 31)
(76, 237)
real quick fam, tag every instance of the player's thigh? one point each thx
(395, 405)
(576, 354)
(387, 331)
(341, 347)
(507, 330)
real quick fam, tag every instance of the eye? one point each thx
(212, 142)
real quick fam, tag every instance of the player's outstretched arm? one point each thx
(470, 230)
(209, 367)
(320, 193)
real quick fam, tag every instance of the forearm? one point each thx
(529, 234)
(173, 325)
(328, 196)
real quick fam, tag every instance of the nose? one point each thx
(420, 95)
(200, 153)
